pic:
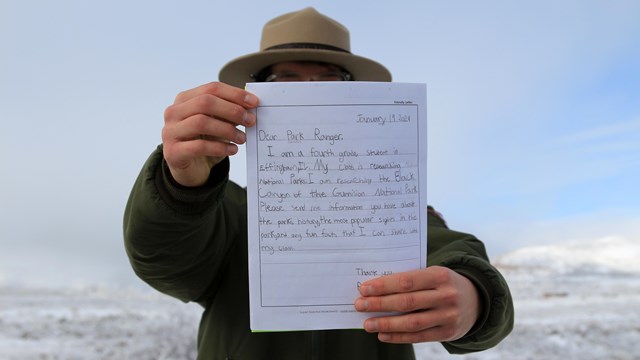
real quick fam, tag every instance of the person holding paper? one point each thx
(185, 224)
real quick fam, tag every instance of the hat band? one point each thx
(306, 46)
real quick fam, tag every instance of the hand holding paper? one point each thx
(200, 129)
(437, 304)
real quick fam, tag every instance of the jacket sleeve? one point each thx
(466, 255)
(177, 238)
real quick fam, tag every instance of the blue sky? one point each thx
(534, 116)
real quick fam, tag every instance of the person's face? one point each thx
(305, 71)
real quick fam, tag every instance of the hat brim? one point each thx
(238, 72)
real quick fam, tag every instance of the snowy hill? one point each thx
(610, 255)
(577, 300)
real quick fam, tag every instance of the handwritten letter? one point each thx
(337, 195)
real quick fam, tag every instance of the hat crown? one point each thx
(304, 35)
(306, 26)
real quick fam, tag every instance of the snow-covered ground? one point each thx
(573, 301)
(578, 301)
(95, 323)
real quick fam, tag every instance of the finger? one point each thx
(438, 333)
(429, 278)
(412, 322)
(221, 90)
(209, 105)
(183, 151)
(202, 126)
(406, 302)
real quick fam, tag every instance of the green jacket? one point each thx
(192, 244)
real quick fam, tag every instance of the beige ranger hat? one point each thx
(304, 35)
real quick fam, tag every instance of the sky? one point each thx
(533, 114)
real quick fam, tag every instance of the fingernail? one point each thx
(384, 337)
(362, 305)
(371, 325)
(240, 137)
(251, 100)
(248, 118)
(232, 149)
(366, 290)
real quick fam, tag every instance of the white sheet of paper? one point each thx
(336, 195)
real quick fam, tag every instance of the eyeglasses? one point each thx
(296, 76)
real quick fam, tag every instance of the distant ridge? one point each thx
(603, 256)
